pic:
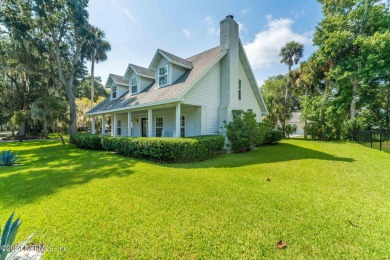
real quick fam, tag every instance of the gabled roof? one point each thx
(152, 95)
(117, 80)
(140, 71)
(185, 63)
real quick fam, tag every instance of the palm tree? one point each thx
(97, 52)
(291, 54)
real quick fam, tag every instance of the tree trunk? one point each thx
(92, 77)
(288, 85)
(323, 101)
(354, 99)
(72, 107)
(306, 98)
(22, 128)
(44, 127)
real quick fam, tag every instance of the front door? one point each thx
(144, 126)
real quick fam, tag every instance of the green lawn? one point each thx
(325, 199)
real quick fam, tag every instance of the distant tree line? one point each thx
(345, 85)
(44, 46)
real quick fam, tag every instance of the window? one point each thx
(119, 127)
(182, 126)
(159, 126)
(163, 76)
(113, 90)
(239, 89)
(134, 85)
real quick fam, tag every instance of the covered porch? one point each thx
(171, 120)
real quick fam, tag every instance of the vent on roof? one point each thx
(230, 16)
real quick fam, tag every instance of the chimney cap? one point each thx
(230, 16)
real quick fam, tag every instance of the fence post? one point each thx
(380, 140)
(371, 138)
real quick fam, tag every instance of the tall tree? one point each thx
(97, 49)
(290, 55)
(65, 24)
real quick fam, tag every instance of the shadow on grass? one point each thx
(47, 169)
(266, 154)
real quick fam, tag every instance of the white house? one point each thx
(176, 97)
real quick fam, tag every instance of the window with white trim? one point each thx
(159, 126)
(134, 85)
(119, 127)
(182, 126)
(113, 91)
(163, 75)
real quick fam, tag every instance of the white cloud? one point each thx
(129, 15)
(187, 33)
(269, 16)
(245, 11)
(242, 27)
(211, 27)
(265, 48)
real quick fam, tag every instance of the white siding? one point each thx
(248, 98)
(192, 123)
(121, 90)
(123, 118)
(145, 82)
(206, 92)
(177, 72)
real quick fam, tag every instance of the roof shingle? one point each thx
(200, 64)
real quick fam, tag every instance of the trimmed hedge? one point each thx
(87, 141)
(161, 149)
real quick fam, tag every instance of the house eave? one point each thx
(156, 103)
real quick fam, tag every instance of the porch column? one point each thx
(150, 123)
(115, 124)
(103, 125)
(93, 126)
(178, 113)
(129, 124)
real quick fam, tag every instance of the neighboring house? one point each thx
(295, 120)
(176, 97)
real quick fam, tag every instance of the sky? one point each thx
(136, 29)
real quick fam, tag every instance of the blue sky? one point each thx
(136, 29)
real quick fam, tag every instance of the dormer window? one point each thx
(163, 76)
(113, 91)
(134, 85)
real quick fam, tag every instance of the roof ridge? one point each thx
(192, 57)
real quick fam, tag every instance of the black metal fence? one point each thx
(377, 139)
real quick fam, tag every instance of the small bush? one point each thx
(87, 141)
(244, 132)
(273, 136)
(8, 158)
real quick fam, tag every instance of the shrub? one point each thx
(8, 158)
(7, 250)
(244, 132)
(87, 141)
(290, 129)
(273, 136)
(166, 149)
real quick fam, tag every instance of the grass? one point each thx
(325, 199)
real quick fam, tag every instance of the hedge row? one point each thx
(158, 149)
(87, 141)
